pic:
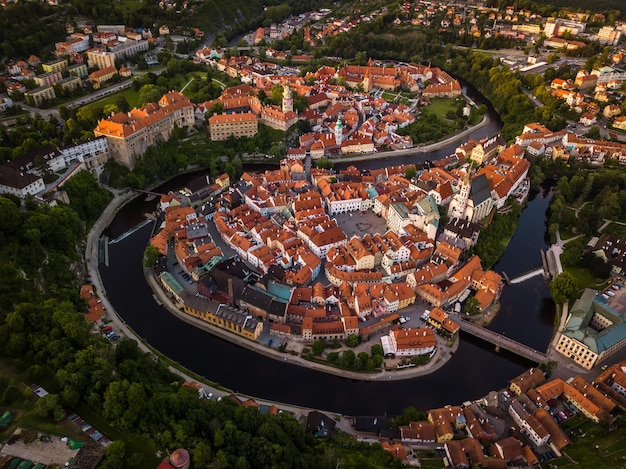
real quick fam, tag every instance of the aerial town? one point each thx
(316, 258)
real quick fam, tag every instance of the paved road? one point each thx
(99, 94)
(501, 341)
(419, 149)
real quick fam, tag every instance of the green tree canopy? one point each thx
(563, 288)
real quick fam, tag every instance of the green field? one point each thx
(597, 444)
(129, 6)
(441, 106)
(583, 277)
(130, 94)
(396, 97)
(617, 230)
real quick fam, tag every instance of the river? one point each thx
(471, 373)
(526, 315)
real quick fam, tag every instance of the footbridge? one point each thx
(501, 341)
(141, 191)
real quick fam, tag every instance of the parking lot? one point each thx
(617, 297)
(50, 452)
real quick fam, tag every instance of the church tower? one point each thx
(367, 84)
(339, 131)
(287, 99)
(459, 202)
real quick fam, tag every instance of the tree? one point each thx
(594, 132)
(202, 454)
(114, 455)
(150, 93)
(352, 340)
(324, 163)
(49, 407)
(347, 359)
(122, 103)
(318, 347)
(410, 414)
(111, 109)
(277, 94)
(9, 217)
(410, 172)
(150, 256)
(563, 288)
(377, 349)
(472, 306)
(87, 197)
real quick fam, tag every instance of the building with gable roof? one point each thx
(531, 378)
(409, 342)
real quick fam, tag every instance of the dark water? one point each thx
(527, 310)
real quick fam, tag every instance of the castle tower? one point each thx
(339, 131)
(287, 99)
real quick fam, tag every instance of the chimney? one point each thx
(231, 295)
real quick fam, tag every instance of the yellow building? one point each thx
(100, 76)
(225, 317)
(222, 126)
(100, 58)
(55, 66)
(619, 123)
(593, 331)
(171, 285)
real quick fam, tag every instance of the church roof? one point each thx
(480, 192)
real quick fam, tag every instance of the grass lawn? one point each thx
(440, 106)
(617, 230)
(391, 96)
(130, 94)
(434, 463)
(583, 277)
(597, 445)
(129, 6)
(195, 144)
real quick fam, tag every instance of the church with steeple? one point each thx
(473, 201)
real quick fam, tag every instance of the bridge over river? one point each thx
(500, 341)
